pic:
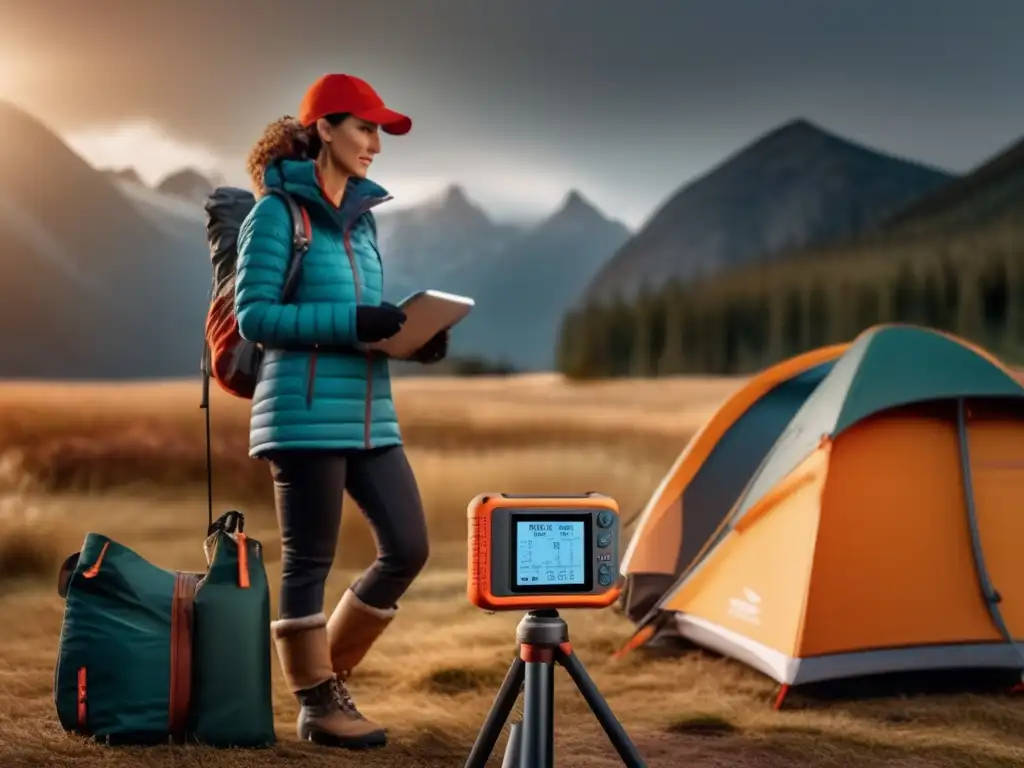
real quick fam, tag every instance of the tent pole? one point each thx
(988, 591)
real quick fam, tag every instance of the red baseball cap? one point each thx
(334, 94)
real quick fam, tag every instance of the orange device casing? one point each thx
(478, 586)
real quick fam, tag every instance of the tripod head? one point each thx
(528, 553)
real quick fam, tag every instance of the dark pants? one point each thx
(308, 490)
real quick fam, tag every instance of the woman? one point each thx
(322, 413)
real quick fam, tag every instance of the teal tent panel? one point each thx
(721, 480)
(909, 364)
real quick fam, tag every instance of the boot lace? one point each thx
(343, 698)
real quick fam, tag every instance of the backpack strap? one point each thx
(302, 236)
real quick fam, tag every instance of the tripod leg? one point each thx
(538, 739)
(612, 727)
(500, 710)
(514, 748)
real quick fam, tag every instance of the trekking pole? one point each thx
(204, 367)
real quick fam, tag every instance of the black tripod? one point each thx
(543, 639)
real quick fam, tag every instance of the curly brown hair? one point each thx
(284, 139)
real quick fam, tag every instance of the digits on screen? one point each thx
(549, 553)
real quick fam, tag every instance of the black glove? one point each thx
(378, 323)
(433, 351)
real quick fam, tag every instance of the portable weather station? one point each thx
(540, 554)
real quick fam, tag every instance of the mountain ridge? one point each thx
(794, 186)
(187, 184)
(533, 281)
(993, 188)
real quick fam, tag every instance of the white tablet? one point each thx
(427, 313)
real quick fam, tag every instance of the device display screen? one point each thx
(551, 554)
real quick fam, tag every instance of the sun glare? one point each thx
(22, 69)
(10, 67)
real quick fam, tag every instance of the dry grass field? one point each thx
(129, 461)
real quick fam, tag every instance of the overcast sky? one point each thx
(520, 100)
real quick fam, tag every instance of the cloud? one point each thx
(145, 146)
(499, 184)
(626, 105)
(505, 189)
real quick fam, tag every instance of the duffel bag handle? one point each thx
(230, 522)
(67, 570)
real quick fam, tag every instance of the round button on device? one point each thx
(604, 518)
(604, 579)
(604, 539)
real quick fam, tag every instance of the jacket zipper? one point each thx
(368, 407)
(311, 370)
(311, 376)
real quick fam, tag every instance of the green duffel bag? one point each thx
(139, 646)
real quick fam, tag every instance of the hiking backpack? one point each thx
(233, 362)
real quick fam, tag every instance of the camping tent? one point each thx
(879, 532)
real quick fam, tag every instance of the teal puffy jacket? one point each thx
(310, 398)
